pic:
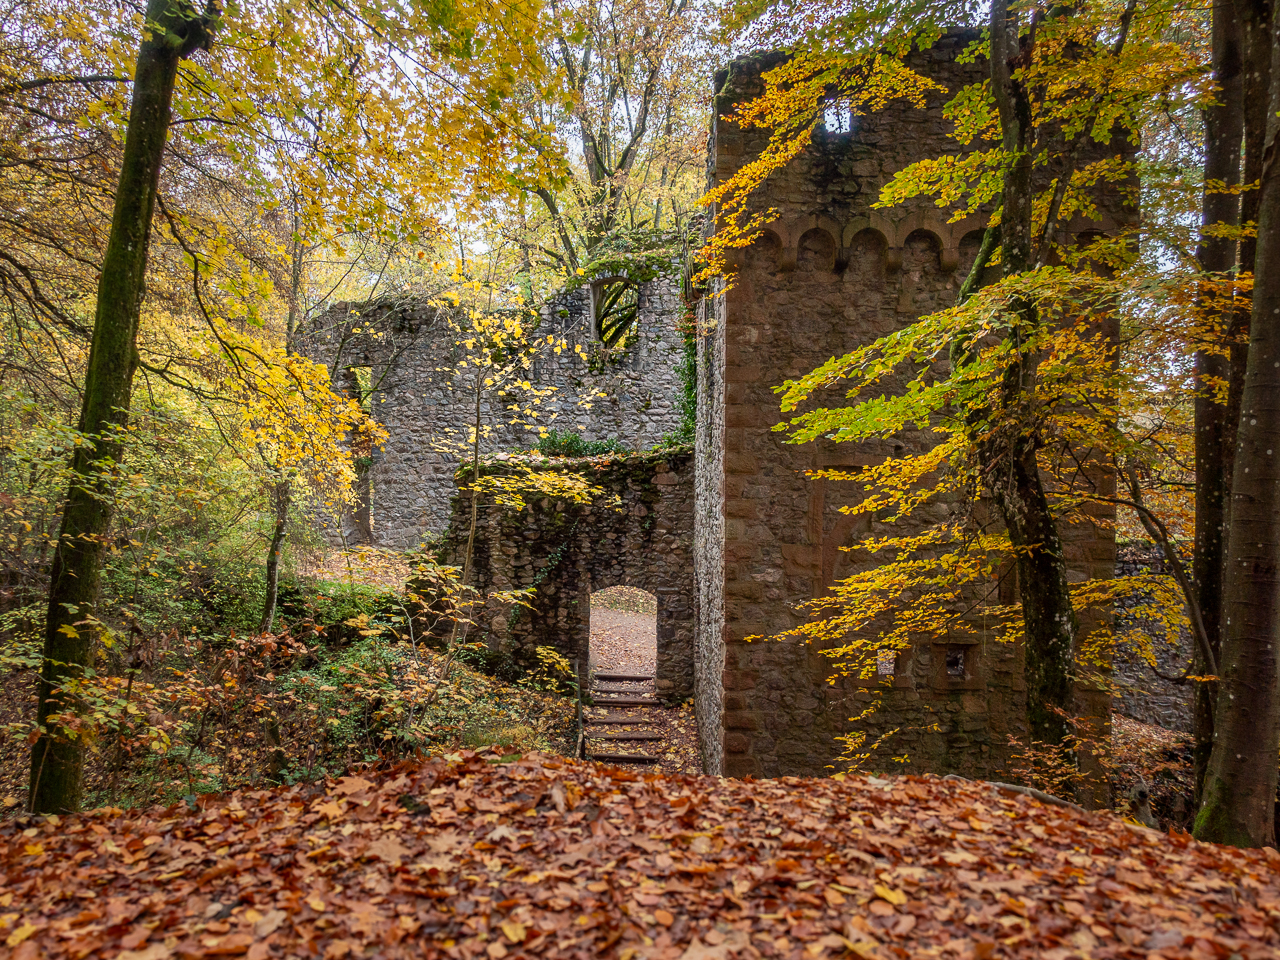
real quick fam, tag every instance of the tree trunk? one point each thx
(1253, 20)
(1049, 617)
(1224, 128)
(57, 758)
(1240, 783)
(283, 492)
(281, 497)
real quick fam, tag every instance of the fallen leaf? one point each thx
(515, 932)
(723, 947)
(331, 810)
(896, 897)
(349, 785)
(389, 849)
(153, 951)
(270, 922)
(20, 934)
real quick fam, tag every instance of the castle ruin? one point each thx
(405, 352)
(731, 542)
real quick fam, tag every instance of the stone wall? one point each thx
(828, 275)
(1140, 693)
(425, 404)
(709, 527)
(568, 552)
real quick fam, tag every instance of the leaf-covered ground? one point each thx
(480, 856)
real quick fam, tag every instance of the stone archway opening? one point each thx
(624, 632)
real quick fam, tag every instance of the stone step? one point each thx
(625, 677)
(610, 688)
(632, 721)
(619, 737)
(623, 757)
(627, 702)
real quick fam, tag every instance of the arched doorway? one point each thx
(624, 639)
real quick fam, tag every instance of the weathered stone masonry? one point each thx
(831, 274)
(569, 552)
(422, 400)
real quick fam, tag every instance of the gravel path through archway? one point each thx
(624, 640)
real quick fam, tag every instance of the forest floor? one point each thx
(488, 856)
(1161, 759)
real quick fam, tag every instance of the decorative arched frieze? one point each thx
(863, 248)
(790, 231)
(764, 252)
(819, 241)
(934, 242)
(875, 223)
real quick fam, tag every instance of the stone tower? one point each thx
(828, 275)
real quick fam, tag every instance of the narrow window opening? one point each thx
(886, 661)
(361, 387)
(956, 662)
(615, 307)
(358, 521)
(837, 118)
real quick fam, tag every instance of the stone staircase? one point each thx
(629, 692)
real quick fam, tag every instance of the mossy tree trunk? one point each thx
(1049, 616)
(1223, 131)
(280, 496)
(174, 29)
(1239, 796)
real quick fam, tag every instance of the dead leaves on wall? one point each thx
(542, 857)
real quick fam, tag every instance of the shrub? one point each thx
(553, 674)
(567, 444)
(341, 611)
(493, 663)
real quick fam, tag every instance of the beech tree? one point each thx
(1239, 795)
(426, 84)
(173, 30)
(626, 107)
(1215, 447)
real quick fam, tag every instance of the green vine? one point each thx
(687, 398)
(553, 561)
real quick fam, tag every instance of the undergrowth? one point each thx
(180, 713)
(557, 443)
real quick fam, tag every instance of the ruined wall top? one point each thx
(831, 188)
(629, 392)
